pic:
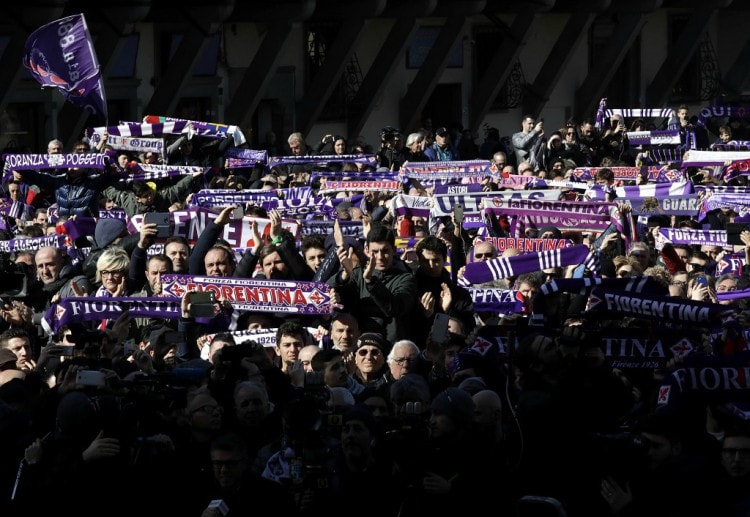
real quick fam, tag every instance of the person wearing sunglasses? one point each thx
(370, 359)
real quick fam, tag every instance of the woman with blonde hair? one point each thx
(112, 269)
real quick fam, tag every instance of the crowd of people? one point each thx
(537, 324)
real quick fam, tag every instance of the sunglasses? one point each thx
(373, 353)
(483, 255)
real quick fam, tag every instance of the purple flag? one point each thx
(61, 55)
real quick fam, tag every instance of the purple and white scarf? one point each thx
(323, 159)
(504, 267)
(694, 236)
(448, 169)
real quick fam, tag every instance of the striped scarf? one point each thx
(504, 267)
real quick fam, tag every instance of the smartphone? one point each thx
(701, 281)
(458, 212)
(202, 297)
(202, 304)
(161, 219)
(238, 213)
(92, 378)
(439, 331)
(67, 351)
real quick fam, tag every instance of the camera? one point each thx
(15, 282)
(388, 133)
(82, 337)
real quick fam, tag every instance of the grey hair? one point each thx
(413, 138)
(404, 343)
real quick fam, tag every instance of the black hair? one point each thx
(319, 360)
(291, 328)
(381, 233)
(434, 244)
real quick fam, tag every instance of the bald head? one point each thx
(48, 263)
(306, 354)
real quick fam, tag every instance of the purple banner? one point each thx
(501, 301)
(33, 243)
(627, 348)
(694, 236)
(61, 55)
(22, 162)
(452, 169)
(464, 188)
(616, 304)
(525, 245)
(91, 308)
(323, 159)
(287, 296)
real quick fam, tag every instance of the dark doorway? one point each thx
(444, 106)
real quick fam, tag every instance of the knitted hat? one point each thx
(554, 230)
(107, 230)
(374, 339)
(456, 403)
(472, 385)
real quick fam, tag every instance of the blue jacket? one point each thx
(73, 197)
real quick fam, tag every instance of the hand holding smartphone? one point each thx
(439, 331)
(161, 219)
(458, 213)
(202, 304)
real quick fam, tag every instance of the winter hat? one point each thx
(107, 230)
(374, 339)
(472, 385)
(554, 230)
(456, 403)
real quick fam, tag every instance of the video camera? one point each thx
(15, 278)
(389, 133)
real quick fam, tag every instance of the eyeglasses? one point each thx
(372, 352)
(483, 255)
(403, 360)
(106, 272)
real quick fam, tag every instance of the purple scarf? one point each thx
(504, 267)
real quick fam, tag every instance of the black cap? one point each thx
(442, 131)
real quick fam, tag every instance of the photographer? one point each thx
(391, 154)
